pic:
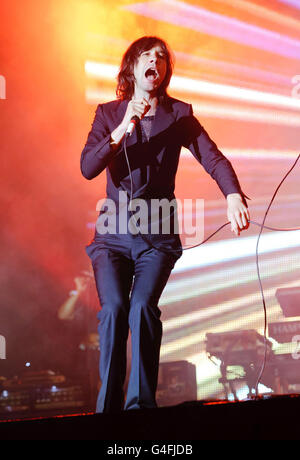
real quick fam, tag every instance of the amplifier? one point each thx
(15, 401)
(177, 383)
(289, 300)
(284, 331)
(31, 401)
(286, 367)
(59, 397)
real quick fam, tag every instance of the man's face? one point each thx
(150, 70)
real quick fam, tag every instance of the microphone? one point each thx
(133, 122)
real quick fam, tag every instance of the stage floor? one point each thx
(267, 418)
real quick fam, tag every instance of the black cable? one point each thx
(259, 278)
(220, 228)
(262, 226)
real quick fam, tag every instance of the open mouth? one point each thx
(151, 74)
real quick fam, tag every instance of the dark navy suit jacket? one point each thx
(153, 163)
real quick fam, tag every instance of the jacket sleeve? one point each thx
(209, 156)
(97, 152)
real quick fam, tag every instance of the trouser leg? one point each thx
(113, 276)
(152, 270)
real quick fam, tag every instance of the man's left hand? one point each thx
(237, 213)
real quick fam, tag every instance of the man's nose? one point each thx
(153, 58)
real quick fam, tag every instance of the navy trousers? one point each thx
(130, 277)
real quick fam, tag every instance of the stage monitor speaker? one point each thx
(177, 383)
(289, 300)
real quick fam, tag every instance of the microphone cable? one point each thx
(262, 226)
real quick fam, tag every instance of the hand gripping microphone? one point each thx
(133, 122)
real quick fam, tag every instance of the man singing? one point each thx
(131, 269)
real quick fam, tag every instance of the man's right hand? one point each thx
(136, 107)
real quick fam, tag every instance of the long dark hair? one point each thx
(125, 87)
